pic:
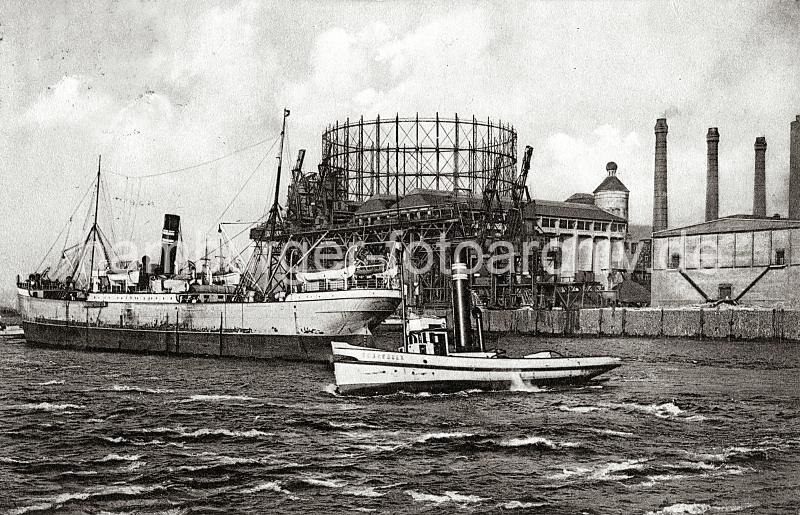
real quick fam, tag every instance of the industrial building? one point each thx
(434, 183)
(746, 259)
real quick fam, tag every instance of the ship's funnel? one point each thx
(169, 243)
(462, 324)
(144, 273)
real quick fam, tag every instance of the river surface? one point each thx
(682, 427)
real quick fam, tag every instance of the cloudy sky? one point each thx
(155, 86)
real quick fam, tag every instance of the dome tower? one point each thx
(612, 196)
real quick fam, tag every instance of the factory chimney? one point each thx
(760, 179)
(660, 177)
(712, 175)
(794, 170)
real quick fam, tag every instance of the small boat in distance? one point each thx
(394, 322)
(428, 362)
(11, 331)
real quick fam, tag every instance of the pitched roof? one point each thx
(376, 203)
(631, 292)
(557, 209)
(581, 198)
(611, 183)
(422, 197)
(639, 232)
(730, 224)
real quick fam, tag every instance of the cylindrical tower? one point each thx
(712, 175)
(760, 178)
(392, 156)
(660, 215)
(612, 196)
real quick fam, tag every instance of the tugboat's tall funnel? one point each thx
(462, 323)
(169, 243)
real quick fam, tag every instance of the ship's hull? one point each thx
(298, 329)
(196, 343)
(366, 371)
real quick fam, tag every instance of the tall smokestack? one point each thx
(712, 175)
(462, 310)
(169, 243)
(660, 183)
(760, 179)
(794, 170)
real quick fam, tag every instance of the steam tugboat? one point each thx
(428, 362)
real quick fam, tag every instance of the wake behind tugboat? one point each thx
(683, 427)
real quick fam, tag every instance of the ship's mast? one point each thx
(401, 264)
(274, 213)
(94, 225)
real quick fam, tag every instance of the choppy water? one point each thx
(682, 427)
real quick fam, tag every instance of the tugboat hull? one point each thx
(362, 370)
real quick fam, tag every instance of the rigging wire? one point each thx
(135, 210)
(133, 207)
(198, 165)
(252, 174)
(68, 224)
(107, 200)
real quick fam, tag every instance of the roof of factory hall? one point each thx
(581, 198)
(376, 203)
(555, 209)
(638, 232)
(419, 197)
(736, 223)
(422, 198)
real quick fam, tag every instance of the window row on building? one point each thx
(727, 250)
(581, 225)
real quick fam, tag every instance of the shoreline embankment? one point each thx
(685, 322)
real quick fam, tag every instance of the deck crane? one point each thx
(520, 197)
(491, 221)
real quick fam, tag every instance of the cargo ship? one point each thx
(166, 308)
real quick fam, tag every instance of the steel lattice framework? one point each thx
(393, 156)
(473, 161)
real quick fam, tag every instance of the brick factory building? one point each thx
(746, 259)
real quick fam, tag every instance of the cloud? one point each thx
(567, 164)
(70, 101)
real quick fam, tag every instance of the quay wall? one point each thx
(688, 322)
